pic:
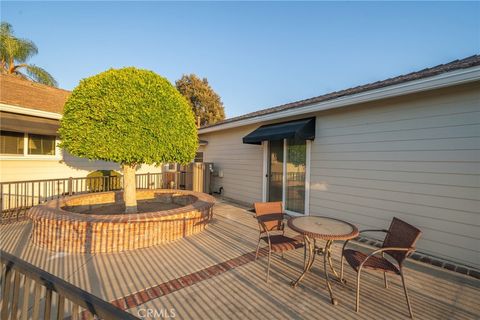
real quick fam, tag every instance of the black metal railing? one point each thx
(16, 197)
(51, 296)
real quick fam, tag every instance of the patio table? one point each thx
(321, 228)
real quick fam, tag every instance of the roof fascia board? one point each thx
(448, 79)
(30, 112)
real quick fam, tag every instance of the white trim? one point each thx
(307, 177)
(25, 144)
(439, 81)
(293, 213)
(265, 171)
(30, 112)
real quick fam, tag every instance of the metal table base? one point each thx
(311, 252)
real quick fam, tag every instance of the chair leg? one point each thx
(258, 248)
(385, 274)
(406, 293)
(341, 268)
(268, 264)
(304, 256)
(357, 297)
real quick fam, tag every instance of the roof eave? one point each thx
(447, 79)
(29, 111)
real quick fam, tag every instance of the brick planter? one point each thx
(57, 229)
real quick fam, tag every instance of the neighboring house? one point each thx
(407, 147)
(29, 120)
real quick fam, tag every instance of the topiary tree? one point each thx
(129, 116)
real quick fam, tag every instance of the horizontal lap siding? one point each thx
(21, 170)
(416, 158)
(242, 164)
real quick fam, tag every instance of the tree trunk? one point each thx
(129, 189)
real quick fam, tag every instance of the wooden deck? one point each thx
(213, 275)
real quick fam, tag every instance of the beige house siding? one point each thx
(21, 170)
(415, 157)
(240, 163)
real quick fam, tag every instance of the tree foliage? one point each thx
(129, 116)
(205, 103)
(14, 54)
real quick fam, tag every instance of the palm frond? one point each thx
(18, 49)
(40, 75)
(6, 35)
(6, 28)
(24, 50)
(13, 48)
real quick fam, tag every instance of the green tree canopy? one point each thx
(14, 54)
(129, 116)
(205, 103)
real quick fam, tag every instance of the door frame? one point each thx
(265, 146)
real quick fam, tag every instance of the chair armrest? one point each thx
(409, 249)
(381, 250)
(366, 230)
(374, 230)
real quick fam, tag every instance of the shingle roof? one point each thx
(23, 93)
(425, 73)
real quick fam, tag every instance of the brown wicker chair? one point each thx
(399, 243)
(270, 222)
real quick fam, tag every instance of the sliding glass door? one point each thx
(287, 167)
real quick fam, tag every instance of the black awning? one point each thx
(303, 129)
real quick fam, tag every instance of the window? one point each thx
(171, 167)
(41, 144)
(22, 144)
(11, 142)
(198, 157)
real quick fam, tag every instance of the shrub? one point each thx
(104, 180)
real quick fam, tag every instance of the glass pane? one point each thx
(40, 144)
(11, 142)
(296, 165)
(275, 171)
(198, 157)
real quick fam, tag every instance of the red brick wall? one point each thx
(60, 230)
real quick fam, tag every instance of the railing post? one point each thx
(1, 202)
(70, 186)
(148, 180)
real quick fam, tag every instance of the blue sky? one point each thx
(254, 54)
